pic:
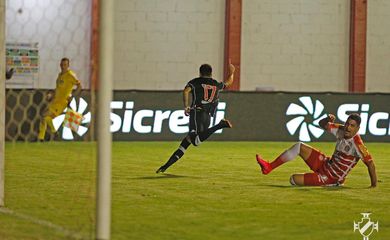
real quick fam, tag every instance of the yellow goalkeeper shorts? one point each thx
(57, 107)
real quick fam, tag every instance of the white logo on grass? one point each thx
(365, 226)
(67, 133)
(307, 118)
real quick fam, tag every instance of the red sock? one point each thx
(287, 155)
(276, 163)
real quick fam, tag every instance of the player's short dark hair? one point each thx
(356, 117)
(205, 70)
(65, 59)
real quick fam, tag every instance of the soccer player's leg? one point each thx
(312, 179)
(54, 109)
(306, 179)
(205, 132)
(201, 121)
(42, 128)
(299, 148)
(185, 143)
(313, 158)
(45, 121)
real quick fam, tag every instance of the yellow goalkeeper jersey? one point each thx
(64, 85)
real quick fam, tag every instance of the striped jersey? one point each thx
(346, 154)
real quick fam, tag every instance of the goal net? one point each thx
(57, 178)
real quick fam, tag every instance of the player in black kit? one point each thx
(205, 93)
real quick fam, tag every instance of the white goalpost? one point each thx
(104, 97)
(104, 138)
(2, 99)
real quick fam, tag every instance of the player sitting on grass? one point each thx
(328, 170)
(205, 92)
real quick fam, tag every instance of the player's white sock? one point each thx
(287, 155)
(291, 153)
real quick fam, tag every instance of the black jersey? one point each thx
(205, 93)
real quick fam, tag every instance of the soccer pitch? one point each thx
(215, 191)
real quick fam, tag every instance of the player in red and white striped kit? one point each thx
(328, 170)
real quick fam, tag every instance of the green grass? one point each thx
(214, 192)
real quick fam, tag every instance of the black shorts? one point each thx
(199, 120)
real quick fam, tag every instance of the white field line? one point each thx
(44, 223)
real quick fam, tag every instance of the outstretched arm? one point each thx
(186, 93)
(371, 170)
(324, 122)
(230, 77)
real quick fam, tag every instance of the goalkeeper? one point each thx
(66, 80)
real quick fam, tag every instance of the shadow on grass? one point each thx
(311, 188)
(163, 176)
(278, 186)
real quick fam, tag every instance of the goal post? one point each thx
(104, 138)
(2, 99)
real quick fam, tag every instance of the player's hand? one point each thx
(187, 111)
(231, 67)
(331, 117)
(49, 96)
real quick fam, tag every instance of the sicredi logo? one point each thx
(307, 118)
(310, 113)
(370, 121)
(176, 119)
(67, 134)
